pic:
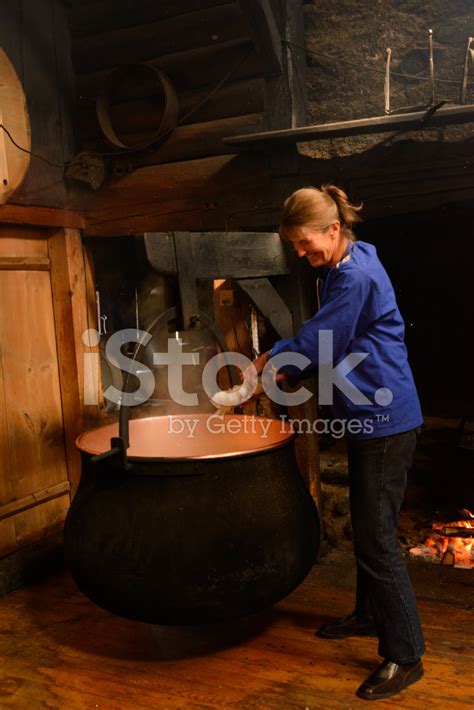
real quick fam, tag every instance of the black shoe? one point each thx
(350, 625)
(389, 679)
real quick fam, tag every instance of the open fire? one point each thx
(450, 543)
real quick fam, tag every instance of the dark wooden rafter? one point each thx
(264, 31)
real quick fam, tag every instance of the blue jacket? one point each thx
(358, 305)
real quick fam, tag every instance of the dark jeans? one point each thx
(377, 479)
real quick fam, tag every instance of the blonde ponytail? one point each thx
(317, 208)
(347, 211)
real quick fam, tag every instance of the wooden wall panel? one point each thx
(175, 34)
(211, 37)
(209, 64)
(7, 527)
(41, 522)
(45, 304)
(22, 241)
(31, 386)
(137, 116)
(116, 14)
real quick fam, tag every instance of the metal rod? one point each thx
(469, 55)
(386, 88)
(432, 77)
(254, 332)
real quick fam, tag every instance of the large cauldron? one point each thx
(198, 527)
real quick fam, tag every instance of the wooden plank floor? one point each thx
(57, 650)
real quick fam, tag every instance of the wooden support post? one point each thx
(265, 34)
(186, 277)
(63, 284)
(285, 95)
(270, 304)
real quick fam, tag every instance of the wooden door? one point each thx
(34, 480)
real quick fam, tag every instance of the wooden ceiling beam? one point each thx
(264, 31)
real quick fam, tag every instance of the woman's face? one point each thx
(320, 247)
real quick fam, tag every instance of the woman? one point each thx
(375, 396)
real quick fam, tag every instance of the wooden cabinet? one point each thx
(42, 297)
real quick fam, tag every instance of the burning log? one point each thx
(455, 531)
(450, 543)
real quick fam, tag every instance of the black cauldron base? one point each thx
(191, 541)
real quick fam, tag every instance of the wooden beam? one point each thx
(377, 124)
(199, 140)
(40, 216)
(62, 284)
(34, 499)
(266, 36)
(84, 317)
(270, 305)
(230, 193)
(204, 182)
(24, 263)
(183, 244)
(285, 95)
(222, 255)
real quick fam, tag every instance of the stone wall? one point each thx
(346, 46)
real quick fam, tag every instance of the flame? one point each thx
(437, 545)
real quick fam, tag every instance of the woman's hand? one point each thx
(260, 362)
